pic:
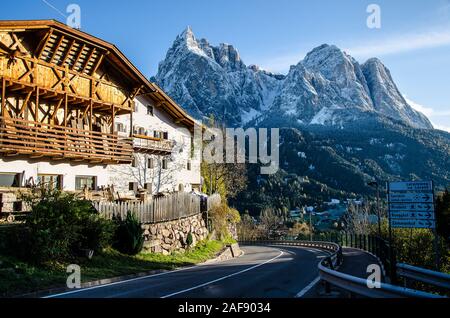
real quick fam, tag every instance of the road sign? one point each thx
(418, 207)
(411, 204)
(411, 224)
(400, 197)
(411, 186)
(411, 215)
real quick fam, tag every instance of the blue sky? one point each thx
(413, 41)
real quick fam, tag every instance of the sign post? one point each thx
(411, 206)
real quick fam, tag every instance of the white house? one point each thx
(165, 159)
(76, 113)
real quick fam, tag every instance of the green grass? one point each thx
(17, 277)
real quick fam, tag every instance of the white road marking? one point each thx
(124, 281)
(223, 278)
(307, 288)
(316, 280)
(120, 282)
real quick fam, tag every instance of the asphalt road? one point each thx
(262, 272)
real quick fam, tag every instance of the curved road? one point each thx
(262, 272)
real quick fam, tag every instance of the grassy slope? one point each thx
(17, 277)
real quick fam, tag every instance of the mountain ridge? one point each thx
(328, 87)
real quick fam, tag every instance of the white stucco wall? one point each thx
(120, 176)
(162, 180)
(69, 171)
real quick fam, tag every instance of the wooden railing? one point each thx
(173, 207)
(141, 142)
(40, 139)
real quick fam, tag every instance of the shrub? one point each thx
(129, 237)
(222, 216)
(189, 239)
(58, 227)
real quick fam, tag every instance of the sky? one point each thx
(413, 40)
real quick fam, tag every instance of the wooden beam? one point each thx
(3, 95)
(113, 116)
(159, 104)
(66, 110)
(55, 113)
(61, 40)
(68, 52)
(78, 56)
(99, 62)
(43, 45)
(87, 60)
(25, 104)
(36, 107)
(18, 44)
(90, 116)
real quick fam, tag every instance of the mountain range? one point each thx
(342, 123)
(328, 87)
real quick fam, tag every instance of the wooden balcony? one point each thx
(152, 145)
(36, 140)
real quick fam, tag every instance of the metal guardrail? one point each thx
(334, 248)
(424, 275)
(356, 285)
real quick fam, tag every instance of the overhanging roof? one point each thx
(114, 54)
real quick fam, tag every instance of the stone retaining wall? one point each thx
(172, 236)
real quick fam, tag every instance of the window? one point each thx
(120, 127)
(189, 166)
(165, 163)
(50, 181)
(133, 186)
(133, 162)
(161, 135)
(148, 187)
(150, 163)
(157, 134)
(150, 110)
(10, 179)
(85, 182)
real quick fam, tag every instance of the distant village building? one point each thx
(76, 113)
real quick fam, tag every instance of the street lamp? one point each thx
(310, 225)
(375, 184)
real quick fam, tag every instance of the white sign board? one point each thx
(399, 197)
(413, 224)
(412, 215)
(418, 207)
(411, 205)
(420, 186)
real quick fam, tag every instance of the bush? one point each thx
(129, 238)
(58, 228)
(222, 216)
(189, 239)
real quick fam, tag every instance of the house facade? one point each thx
(76, 114)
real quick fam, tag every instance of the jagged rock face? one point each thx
(327, 88)
(209, 80)
(386, 97)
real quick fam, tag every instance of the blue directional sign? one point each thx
(405, 197)
(413, 224)
(418, 207)
(411, 205)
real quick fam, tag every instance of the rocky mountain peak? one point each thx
(329, 87)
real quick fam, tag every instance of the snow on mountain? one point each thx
(208, 79)
(328, 87)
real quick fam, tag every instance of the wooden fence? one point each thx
(169, 208)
